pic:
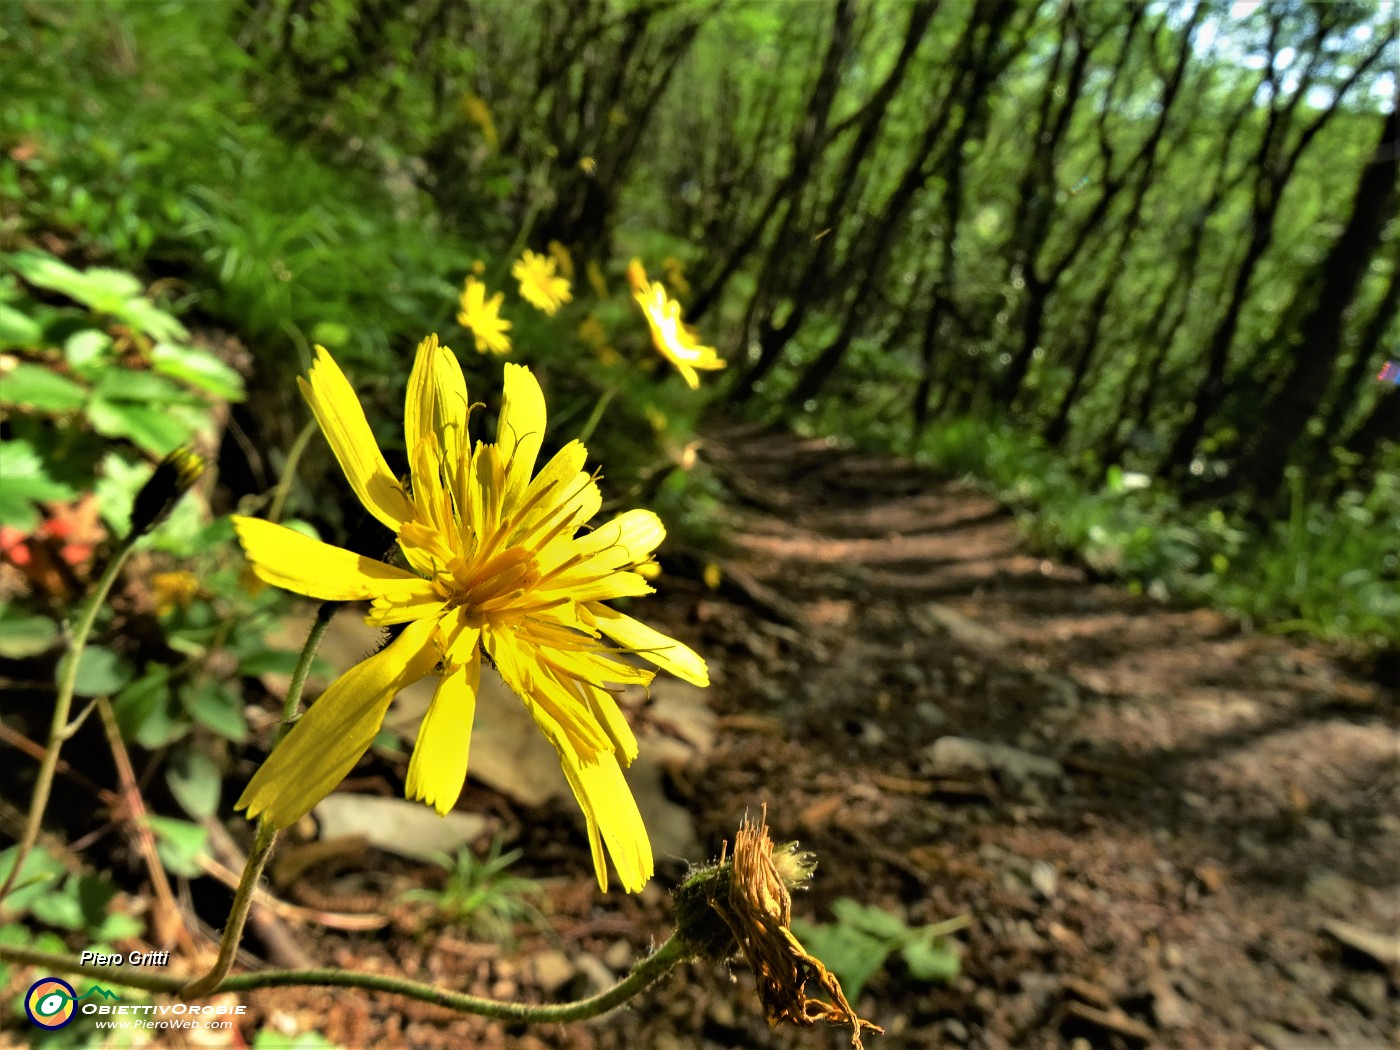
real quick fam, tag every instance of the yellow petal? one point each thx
(608, 807)
(342, 420)
(665, 652)
(520, 432)
(613, 817)
(438, 768)
(567, 713)
(627, 539)
(285, 558)
(436, 403)
(329, 739)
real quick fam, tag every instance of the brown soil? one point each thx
(1219, 797)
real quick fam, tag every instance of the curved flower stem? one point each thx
(237, 914)
(289, 470)
(59, 729)
(266, 837)
(646, 973)
(599, 407)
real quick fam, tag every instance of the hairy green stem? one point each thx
(58, 727)
(646, 973)
(237, 914)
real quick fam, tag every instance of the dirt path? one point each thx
(1178, 813)
(1152, 819)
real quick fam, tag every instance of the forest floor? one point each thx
(1165, 830)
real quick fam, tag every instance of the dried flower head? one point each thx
(751, 893)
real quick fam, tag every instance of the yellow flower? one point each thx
(172, 590)
(596, 279)
(502, 569)
(476, 110)
(561, 255)
(675, 341)
(538, 285)
(675, 275)
(483, 317)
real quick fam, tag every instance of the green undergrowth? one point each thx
(1330, 569)
(110, 156)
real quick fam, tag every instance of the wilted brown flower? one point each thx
(755, 903)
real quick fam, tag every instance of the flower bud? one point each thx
(173, 477)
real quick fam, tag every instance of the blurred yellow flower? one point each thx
(476, 111)
(675, 341)
(172, 590)
(675, 276)
(502, 569)
(538, 285)
(561, 255)
(595, 279)
(587, 165)
(482, 316)
(591, 331)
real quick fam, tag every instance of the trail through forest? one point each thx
(1165, 831)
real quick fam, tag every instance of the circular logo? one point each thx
(49, 1003)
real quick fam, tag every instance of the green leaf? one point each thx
(851, 954)
(45, 271)
(151, 429)
(101, 672)
(199, 368)
(932, 959)
(93, 893)
(88, 351)
(194, 780)
(18, 329)
(214, 706)
(145, 388)
(179, 843)
(60, 909)
(330, 334)
(26, 482)
(28, 385)
(872, 920)
(146, 712)
(23, 635)
(38, 878)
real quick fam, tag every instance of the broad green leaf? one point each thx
(23, 634)
(194, 780)
(144, 388)
(101, 672)
(28, 385)
(145, 710)
(146, 316)
(330, 334)
(872, 920)
(199, 368)
(179, 843)
(61, 909)
(88, 351)
(931, 959)
(851, 954)
(18, 329)
(38, 878)
(211, 704)
(151, 429)
(45, 271)
(93, 893)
